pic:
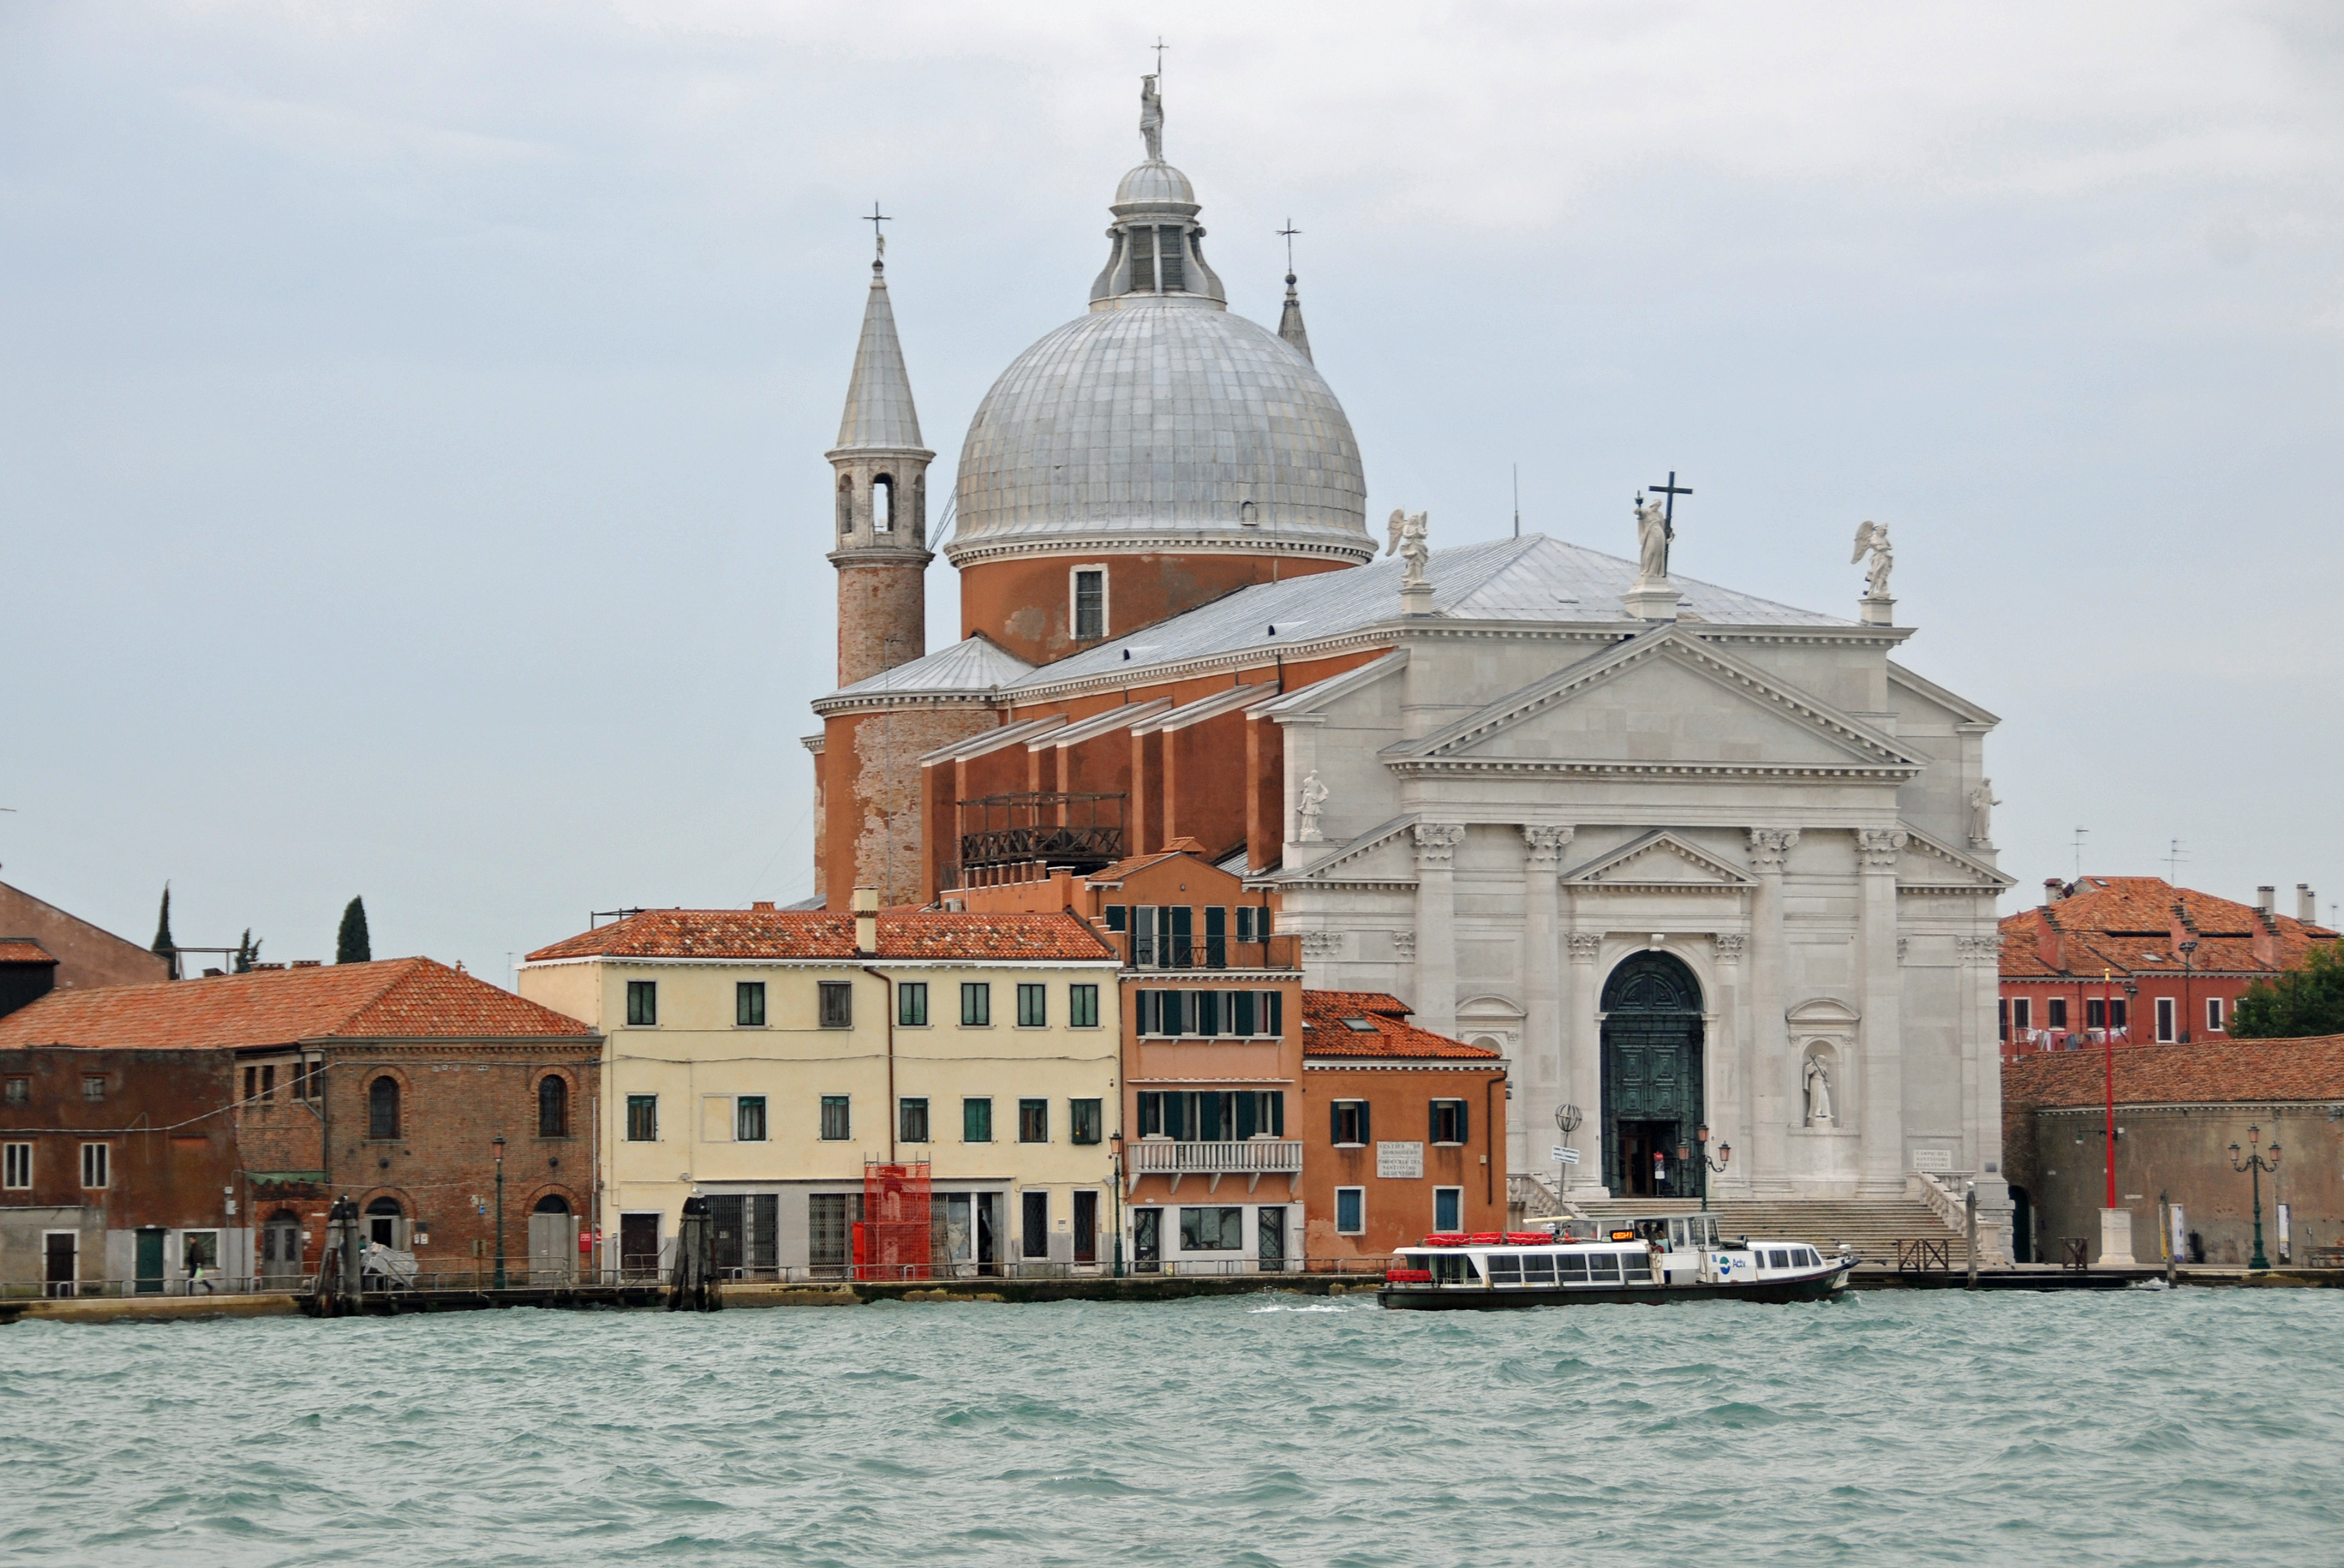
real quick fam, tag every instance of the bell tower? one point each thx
(879, 522)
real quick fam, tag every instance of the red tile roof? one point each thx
(2220, 1072)
(23, 951)
(1328, 1029)
(819, 934)
(2119, 922)
(398, 999)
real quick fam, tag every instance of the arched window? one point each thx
(383, 1108)
(384, 1214)
(883, 504)
(845, 505)
(553, 1203)
(919, 508)
(553, 1106)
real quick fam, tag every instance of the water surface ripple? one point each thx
(2140, 1428)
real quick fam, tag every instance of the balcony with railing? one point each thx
(1279, 951)
(1251, 1158)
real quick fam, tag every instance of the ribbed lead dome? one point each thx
(1159, 421)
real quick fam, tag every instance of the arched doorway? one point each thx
(383, 1222)
(1652, 1076)
(280, 1249)
(553, 1241)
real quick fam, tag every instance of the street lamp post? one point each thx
(501, 1211)
(1706, 1165)
(2254, 1163)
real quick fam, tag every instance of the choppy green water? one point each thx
(2200, 1426)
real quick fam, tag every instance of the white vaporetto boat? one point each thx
(1670, 1258)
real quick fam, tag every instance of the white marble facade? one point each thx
(1511, 810)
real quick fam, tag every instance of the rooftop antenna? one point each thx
(878, 235)
(2079, 852)
(2174, 855)
(1518, 500)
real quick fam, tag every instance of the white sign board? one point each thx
(2178, 1237)
(1403, 1162)
(1933, 1160)
(1567, 1156)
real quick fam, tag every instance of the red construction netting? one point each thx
(891, 1241)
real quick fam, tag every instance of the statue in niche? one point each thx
(1874, 537)
(1819, 1102)
(1151, 121)
(1409, 534)
(1652, 536)
(1307, 806)
(1982, 805)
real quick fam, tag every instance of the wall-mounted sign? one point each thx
(1567, 1156)
(1933, 1160)
(1399, 1161)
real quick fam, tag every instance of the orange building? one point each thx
(1399, 1127)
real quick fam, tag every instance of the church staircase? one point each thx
(1869, 1227)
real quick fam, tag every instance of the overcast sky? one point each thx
(411, 415)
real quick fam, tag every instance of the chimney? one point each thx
(2054, 889)
(866, 921)
(2307, 904)
(766, 904)
(2266, 898)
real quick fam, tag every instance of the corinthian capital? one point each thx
(1436, 844)
(1878, 846)
(1769, 847)
(1545, 844)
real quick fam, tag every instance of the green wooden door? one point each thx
(150, 1262)
(1651, 1072)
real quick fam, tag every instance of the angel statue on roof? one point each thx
(1653, 535)
(1409, 531)
(1874, 537)
(1151, 119)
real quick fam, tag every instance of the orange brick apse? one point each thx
(1025, 603)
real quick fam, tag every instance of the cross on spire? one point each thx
(1159, 47)
(875, 217)
(1288, 234)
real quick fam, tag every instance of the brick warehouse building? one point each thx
(233, 1109)
(2187, 955)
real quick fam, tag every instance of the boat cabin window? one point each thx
(1636, 1265)
(1454, 1269)
(1505, 1269)
(1777, 1258)
(1603, 1268)
(1538, 1268)
(1571, 1267)
(1417, 1260)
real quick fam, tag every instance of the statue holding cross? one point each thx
(1656, 530)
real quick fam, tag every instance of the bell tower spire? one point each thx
(880, 497)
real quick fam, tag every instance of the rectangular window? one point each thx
(1174, 936)
(1035, 1240)
(642, 1003)
(1449, 1209)
(1253, 925)
(1032, 1006)
(1119, 917)
(2022, 1013)
(1033, 1121)
(1350, 1122)
(2165, 1018)
(749, 1118)
(2056, 1009)
(2118, 1013)
(642, 1117)
(1090, 606)
(836, 1128)
(1169, 257)
(1086, 1122)
(251, 1084)
(93, 1086)
(1350, 1210)
(301, 1090)
(1244, 1012)
(830, 1217)
(1143, 936)
(96, 1164)
(912, 1120)
(976, 1122)
(749, 1004)
(1212, 1229)
(18, 1161)
(20, 1092)
(1082, 1006)
(912, 1004)
(2003, 1009)
(2213, 1015)
(1217, 936)
(975, 1005)
(1151, 1113)
(2096, 1013)
(837, 1004)
(268, 1081)
(1142, 245)
(1449, 1122)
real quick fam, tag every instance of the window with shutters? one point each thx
(749, 1118)
(642, 1117)
(912, 1120)
(1448, 1121)
(1351, 1118)
(1033, 1121)
(975, 1005)
(1032, 1006)
(96, 1165)
(1350, 1210)
(642, 1003)
(1082, 1006)
(836, 1126)
(749, 1004)
(1086, 1122)
(837, 1004)
(976, 1120)
(912, 1004)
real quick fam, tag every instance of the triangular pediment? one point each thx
(1660, 861)
(1664, 701)
(1927, 864)
(1384, 855)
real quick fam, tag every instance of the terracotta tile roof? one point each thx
(411, 998)
(1329, 1028)
(2127, 924)
(2202, 1072)
(784, 934)
(23, 951)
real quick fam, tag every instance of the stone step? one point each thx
(1872, 1227)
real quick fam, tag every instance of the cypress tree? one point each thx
(353, 947)
(164, 943)
(248, 952)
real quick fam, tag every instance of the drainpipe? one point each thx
(888, 992)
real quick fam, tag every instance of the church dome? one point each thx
(1159, 422)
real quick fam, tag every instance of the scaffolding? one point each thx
(892, 1239)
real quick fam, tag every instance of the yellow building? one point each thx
(762, 1057)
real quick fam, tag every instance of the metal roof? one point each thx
(974, 664)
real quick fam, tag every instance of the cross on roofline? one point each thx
(875, 217)
(1288, 234)
(1159, 47)
(1671, 490)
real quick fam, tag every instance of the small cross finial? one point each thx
(1288, 234)
(1671, 490)
(875, 217)
(1159, 47)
